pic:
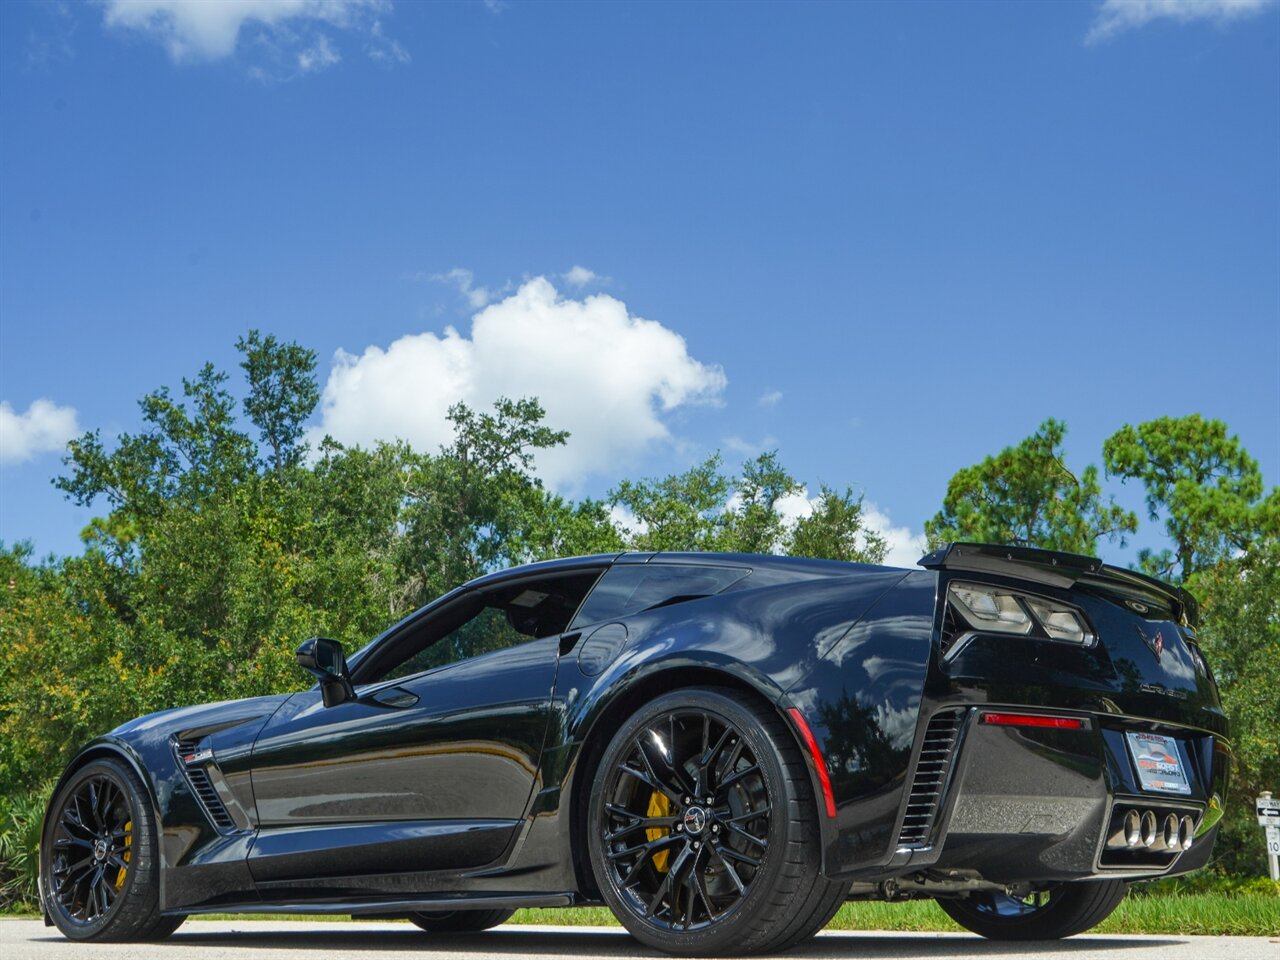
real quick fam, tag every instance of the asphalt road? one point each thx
(280, 940)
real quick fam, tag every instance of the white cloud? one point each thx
(746, 448)
(49, 37)
(193, 31)
(384, 49)
(905, 547)
(465, 281)
(318, 56)
(578, 276)
(626, 521)
(1116, 16)
(795, 506)
(601, 373)
(45, 427)
(770, 398)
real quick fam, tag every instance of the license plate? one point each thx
(1161, 768)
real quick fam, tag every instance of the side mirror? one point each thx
(324, 660)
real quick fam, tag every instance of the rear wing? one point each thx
(1067, 570)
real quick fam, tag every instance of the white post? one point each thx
(1269, 817)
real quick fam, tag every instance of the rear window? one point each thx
(631, 587)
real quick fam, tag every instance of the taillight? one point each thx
(986, 608)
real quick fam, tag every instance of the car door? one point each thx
(432, 765)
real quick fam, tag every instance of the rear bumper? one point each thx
(1034, 804)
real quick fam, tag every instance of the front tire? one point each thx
(459, 921)
(1061, 911)
(99, 868)
(703, 828)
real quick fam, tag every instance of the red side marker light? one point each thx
(807, 735)
(1032, 720)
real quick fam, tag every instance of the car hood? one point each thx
(201, 718)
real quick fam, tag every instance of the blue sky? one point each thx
(885, 239)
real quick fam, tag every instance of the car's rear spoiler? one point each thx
(1065, 570)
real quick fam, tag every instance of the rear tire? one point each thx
(99, 864)
(1070, 908)
(703, 828)
(459, 921)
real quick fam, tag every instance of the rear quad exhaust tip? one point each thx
(1132, 829)
(1148, 829)
(1172, 841)
(1186, 833)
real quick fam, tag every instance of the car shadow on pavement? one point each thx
(522, 942)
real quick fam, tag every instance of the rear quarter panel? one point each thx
(796, 644)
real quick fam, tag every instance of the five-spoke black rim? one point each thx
(91, 845)
(685, 821)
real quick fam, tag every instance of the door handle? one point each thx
(397, 697)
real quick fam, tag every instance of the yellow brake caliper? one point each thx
(128, 842)
(659, 806)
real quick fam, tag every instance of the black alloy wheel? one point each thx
(91, 849)
(701, 814)
(99, 877)
(1060, 910)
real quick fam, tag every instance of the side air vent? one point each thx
(932, 769)
(192, 760)
(951, 630)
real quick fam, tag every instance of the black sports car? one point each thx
(721, 748)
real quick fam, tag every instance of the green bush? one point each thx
(20, 819)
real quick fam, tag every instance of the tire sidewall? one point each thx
(141, 819)
(459, 921)
(723, 933)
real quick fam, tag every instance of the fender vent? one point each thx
(202, 786)
(932, 770)
(950, 629)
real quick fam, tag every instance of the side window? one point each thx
(631, 587)
(487, 631)
(480, 622)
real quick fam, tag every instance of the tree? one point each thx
(837, 530)
(1026, 496)
(282, 394)
(704, 509)
(476, 505)
(679, 512)
(1240, 630)
(752, 523)
(184, 454)
(226, 558)
(1207, 487)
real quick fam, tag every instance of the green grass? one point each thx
(1205, 913)
(1211, 914)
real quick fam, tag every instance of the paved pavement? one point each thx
(281, 940)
